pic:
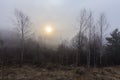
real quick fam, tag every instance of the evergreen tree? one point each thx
(113, 47)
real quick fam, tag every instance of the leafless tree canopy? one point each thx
(89, 47)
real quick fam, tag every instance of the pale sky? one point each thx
(61, 14)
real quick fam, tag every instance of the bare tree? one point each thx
(2, 58)
(83, 26)
(91, 33)
(103, 25)
(94, 43)
(23, 24)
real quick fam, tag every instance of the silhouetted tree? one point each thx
(113, 47)
(23, 25)
(83, 26)
(103, 25)
(90, 27)
(2, 58)
(80, 48)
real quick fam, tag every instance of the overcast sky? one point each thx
(61, 14)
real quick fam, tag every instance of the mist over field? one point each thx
(59, 40)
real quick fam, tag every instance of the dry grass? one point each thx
(80, 73)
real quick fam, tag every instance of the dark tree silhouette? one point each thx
(113, 47)
(23, 25)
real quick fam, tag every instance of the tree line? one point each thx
(92, 46)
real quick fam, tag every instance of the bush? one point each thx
(80, 71)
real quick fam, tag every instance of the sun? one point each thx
(48, 29)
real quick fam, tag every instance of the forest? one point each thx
(59, 40)
(92, 45)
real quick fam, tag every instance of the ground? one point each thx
(63, 73)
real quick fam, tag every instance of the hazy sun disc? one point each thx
(48, 29)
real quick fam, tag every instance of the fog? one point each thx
(59, 39)
(61, 14)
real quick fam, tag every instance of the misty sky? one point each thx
(61, 14)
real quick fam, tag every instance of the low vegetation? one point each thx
(68, 73)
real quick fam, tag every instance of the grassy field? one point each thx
(63, 73)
